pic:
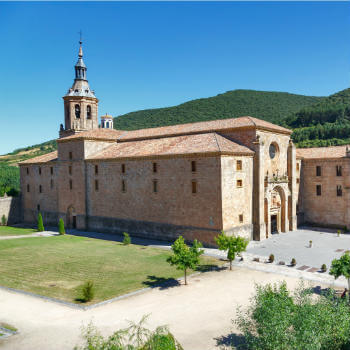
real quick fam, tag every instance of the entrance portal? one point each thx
(274, 227)
(71, 218)
(74, 224)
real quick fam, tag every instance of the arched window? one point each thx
(88, 112)
(77, 111)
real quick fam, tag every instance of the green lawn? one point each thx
(15, 231)
(57, 266)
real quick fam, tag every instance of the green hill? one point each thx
(271, 106)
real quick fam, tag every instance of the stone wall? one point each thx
(10, 207)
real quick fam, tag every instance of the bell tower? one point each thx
(80, 102)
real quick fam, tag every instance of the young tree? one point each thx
(341, 267)
(40, 223)
(233, 245)
(126, 239)
(3, 220)
(185, 257)
(61, 229)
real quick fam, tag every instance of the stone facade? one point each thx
(10, 207)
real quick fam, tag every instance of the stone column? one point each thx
(291, 213)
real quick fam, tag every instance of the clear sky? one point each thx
(156, 54)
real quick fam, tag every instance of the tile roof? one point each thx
(209, 143)
(45, 158)
(322, 152)
(202, 127)
(96, 134)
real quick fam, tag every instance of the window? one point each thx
(77, 111)
(273, 150)
(193, 166)
(38, 207)
(70, 155)
(239, 183)
(39, 170)
(318, 170)
(96, 169)
(88, 112)
(318, 190)
(123, 168)
(240, 218)
(155, 167)
(194, 186)
(298, 166)
(70, 184)
(339, 191)
(70, 170)
(51, 170)
(239, 165)
(96, 185)
(28, 188)
(155, 186)
(298, 180)
(123, 186)
(27, 171)
(51, 184)
(40, 189)
(339, 170)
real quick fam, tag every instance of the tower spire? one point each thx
(80, 44)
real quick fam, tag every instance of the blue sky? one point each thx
(156, 54)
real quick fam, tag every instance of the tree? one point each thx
(40, 223)
(3, 220)
(61, 229)
(341, 267)
(233, 245)
(185, 257)
(126, 239)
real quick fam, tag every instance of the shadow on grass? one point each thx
(80, 300)
(235, 341)
(161, 282)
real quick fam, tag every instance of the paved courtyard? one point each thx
(326, 246)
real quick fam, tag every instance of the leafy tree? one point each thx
(341, 267)
(126, 239)
(3, 220)
(185, 257)
(233, 245)
(88, 290)
(61, 229)
(40, 223)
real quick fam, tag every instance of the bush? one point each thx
(61, 229)
(40, 223)
(127, 239)
(3, 220)
(323, 268)
(338, 232)
(293, 262)
(271, 258)
(88, 290)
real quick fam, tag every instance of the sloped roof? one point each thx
(45, 158)
(322, 152)
(200, 127)
(209, 143)
(95, 134)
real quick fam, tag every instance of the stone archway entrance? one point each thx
(71, 218)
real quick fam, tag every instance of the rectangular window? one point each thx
(39, 170)
(339, 170)
(241, 218)
(70, 155)
(27, 171)
(155, 167)
(40, 189)
(70, 184)
(298, 166)
(239, 183)
(38, 207)
(298, 181)
(70, 169)
(155, 186)
(123, 186)
(318, 190)
(239, 165)
(123, 168)
(193, 166)
(51, 170)
(96, 169)
(194, 186)
(51, 183)
(96, 185)
(318, 170)
(28, 188)
(339, 191)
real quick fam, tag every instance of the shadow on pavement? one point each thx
(231, 340)
(161, 282)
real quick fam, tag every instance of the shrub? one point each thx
(88, 290)
(293, 262)
(3, 220)
(126, 239)
(338, 232)
(281, 263)
(40, 223)
(61, 229)
(323, 268)
(271, 258)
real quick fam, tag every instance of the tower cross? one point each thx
(80, 36)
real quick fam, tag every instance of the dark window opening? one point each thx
(123, 186)
(70, 184)
(39, 171)
(239, 183)
(298, 166)
(123, 168)
(27, 171)
(51, 183)
(96, 185)
(193, 166)
(77, 111)
(155, 186)
(194, 187)
(241, 218)
(318, 170)
(70, 170)
(28, 188)
(38, 207)
(339, 191)
(51, 170)
(155, 167)
(96, 169)
(239, 165)
(318, 190)
(40, 189)
(339, 170)
(70, 155)
(88, 112)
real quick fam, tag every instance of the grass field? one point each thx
(58, 266)
(15, 231)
